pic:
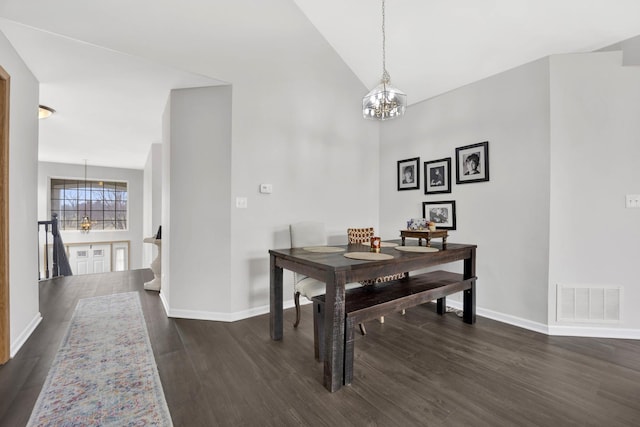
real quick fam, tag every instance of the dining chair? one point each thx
(364, 235)
(306, 234)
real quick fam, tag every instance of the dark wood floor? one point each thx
(417, 369)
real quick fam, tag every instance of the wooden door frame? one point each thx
(5, 335)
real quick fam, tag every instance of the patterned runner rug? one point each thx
(104, 372)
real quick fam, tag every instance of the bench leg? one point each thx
(349, 345)
(441, 306)
(469, 304)
(318, 331)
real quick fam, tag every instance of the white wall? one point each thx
(152, 200)
(196, 235)
(508, 216)
(23, 158)
(563, 138)
(297, 124)
(595, 147)
(133, 177)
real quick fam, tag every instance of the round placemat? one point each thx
(324, 249)
(382, 244)
(368, 256)
(416, 249)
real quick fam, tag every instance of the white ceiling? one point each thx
(109, 101)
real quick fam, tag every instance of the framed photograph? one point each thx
(437, 176)
(442, 213)
(409, 174)
(472, 163)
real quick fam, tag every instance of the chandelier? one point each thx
(384, 101)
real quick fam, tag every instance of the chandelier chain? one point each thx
(385, 74)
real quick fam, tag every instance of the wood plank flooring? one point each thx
(420, 369)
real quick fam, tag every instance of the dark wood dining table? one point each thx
(336, 270)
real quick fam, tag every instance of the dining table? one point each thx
(338, 265)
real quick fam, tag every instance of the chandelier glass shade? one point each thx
(384, 102)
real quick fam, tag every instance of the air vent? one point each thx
(588, 303)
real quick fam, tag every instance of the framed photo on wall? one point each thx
(442, 213)
(472, 163)
(409, 174)
(437, 176)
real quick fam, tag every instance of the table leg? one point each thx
(402, 240)
(428, 239)
(334, 322)
(441, 305)
(348, 351)
(275, 301)
(444, 242)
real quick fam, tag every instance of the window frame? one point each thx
(80, 212)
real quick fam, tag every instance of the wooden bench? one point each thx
(372, 301)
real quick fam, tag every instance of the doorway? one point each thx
(5, 335)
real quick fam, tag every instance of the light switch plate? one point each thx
(241, 202)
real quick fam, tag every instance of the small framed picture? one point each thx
(437, 176)
(409, 174)
(472, 163)
(442, 213)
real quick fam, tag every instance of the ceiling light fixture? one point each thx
(45, 112)
(85, 225)
(384, 101)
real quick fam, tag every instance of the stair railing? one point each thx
(58, 265)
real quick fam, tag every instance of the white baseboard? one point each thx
(22, 338)
(590, 331)
(226, 317)
(163, 300)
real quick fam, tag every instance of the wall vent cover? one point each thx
(588, 303)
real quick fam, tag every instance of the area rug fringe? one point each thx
(104, 372)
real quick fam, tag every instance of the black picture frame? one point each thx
(437, 176)
(472, 163)
(442, 213)
(409, 174)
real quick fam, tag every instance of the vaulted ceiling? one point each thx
(106, 67)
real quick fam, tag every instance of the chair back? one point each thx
(360, 235)
(306, 233)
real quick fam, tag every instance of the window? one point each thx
(105, 203)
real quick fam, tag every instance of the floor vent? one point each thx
(589, 303)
